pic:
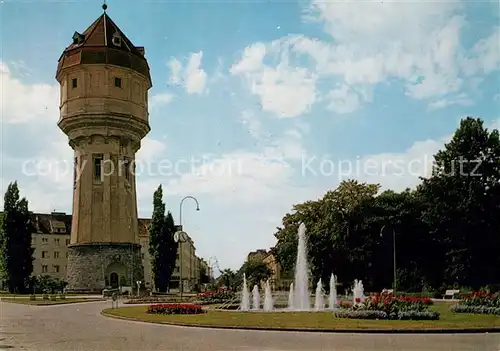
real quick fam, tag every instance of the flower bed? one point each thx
(215, 297)
(478, 302)
(175, 308)
(385, 306)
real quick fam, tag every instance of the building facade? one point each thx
(51, 240)
(104, 81)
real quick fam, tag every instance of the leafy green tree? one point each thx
(463, 206)
(156, 241)
(170, 246)
(162, 247)
(16, 254)
(255, 270)
(227, 278)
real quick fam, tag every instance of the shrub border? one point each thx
(317, 330)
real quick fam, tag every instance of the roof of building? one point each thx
(104, 43)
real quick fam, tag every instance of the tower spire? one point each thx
(104, 5)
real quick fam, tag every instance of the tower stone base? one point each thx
(94, 267)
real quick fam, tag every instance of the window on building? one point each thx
(45, 240)
(56, 268)
(44, 269)
(56, 254)
(118, 82)
(74, 83)
(56, 241)
(126, 168)
(45, 254)
(75, 172)
(98, 158)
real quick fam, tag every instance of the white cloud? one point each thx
(416, 43)
(343, 100)
(159, 100)
(461, 99)
(192, 77)
(284, 90)
(21, 103)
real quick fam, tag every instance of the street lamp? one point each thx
(138, 286)
(180, 206)
(180, 237)
(394, 256)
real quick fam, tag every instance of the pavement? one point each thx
(82, 327)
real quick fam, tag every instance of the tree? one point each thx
(16, 254)
(170, 246)
(227, 278)
(339, 232)
(156, 244)
(463, 207)
(162, 247)
(255, 270)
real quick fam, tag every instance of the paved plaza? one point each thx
(81, 327)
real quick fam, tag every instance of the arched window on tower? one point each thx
(97, 165)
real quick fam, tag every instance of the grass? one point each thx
(307, 320)
(40, 302)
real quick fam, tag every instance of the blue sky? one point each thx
(266, 96)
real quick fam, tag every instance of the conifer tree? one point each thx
(16, 254)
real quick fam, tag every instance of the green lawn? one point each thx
(40, 302)
(307, 320)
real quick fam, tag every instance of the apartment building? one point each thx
(51, 236)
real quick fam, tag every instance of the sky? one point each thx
(257, 105)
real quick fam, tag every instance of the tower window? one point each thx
(126, 165)
(74, 83)
(75, 172)
(117, 40)
(98, 158)
(118, 82)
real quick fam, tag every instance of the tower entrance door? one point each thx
(113, 280)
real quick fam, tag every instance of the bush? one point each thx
(214, 297)
(361, 314)
(418, 315)
(45, 296)
(175, 308)
(394, 305)
(476, 309)
(480, 298)
(33, 297)
(373, 314)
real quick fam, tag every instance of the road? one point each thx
(81, 327)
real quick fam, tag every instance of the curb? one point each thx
(316, 330)
(53, 304)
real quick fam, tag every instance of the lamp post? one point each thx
(180, 237)
(393, 256)
(180, 207)
(180, 223)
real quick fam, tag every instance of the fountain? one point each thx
(358, 292)
(298, 297)
(319, 303)
(245, 296)
(332, 298)
(268, 298)
(255, 298)
(290, 298)
(301, 299)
